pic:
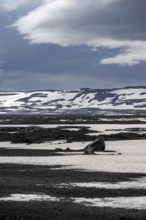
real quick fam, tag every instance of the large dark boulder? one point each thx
(97, 145)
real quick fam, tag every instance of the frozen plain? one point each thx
(131, 160)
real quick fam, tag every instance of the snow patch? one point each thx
(29, 197)
(138, 203)
(133, 184)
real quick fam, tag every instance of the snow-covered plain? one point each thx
(132, 158)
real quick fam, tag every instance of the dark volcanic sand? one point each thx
(29, 179)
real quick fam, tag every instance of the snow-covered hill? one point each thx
(80, 101)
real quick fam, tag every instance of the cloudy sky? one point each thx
(69, 44)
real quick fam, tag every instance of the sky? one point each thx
(71, 44)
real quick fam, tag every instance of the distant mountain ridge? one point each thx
(84, 100)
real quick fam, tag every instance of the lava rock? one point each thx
(97, 145)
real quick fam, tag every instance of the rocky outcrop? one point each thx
(97, 145)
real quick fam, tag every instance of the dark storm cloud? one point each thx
(125, 19)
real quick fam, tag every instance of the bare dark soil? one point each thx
(28, 179)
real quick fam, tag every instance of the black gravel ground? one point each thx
(29, 179)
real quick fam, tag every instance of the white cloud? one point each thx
(63, 22)
(73, 22)
(10, 5)
(133, 54)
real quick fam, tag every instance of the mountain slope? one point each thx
(79, 101)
